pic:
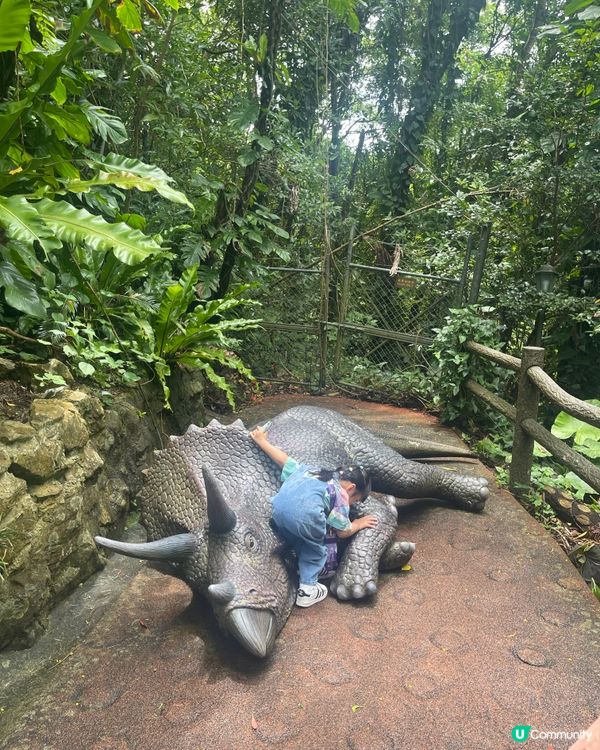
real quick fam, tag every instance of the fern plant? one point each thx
(199, 337)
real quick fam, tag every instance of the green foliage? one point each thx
(586, 437)
(379, 380)
(454, 364)
(112, 269)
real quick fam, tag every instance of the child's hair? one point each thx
(355, 474)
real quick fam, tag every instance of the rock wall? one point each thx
(67, 474)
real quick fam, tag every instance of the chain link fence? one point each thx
(377, 324)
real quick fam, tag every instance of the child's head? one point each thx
(355, 480)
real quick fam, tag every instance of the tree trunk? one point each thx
(250, 177)
(438, 54)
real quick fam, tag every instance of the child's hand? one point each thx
(367, 522)
(259, 436)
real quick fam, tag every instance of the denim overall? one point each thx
(300, 510)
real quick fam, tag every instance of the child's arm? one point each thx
(276, 454)
(366, 522)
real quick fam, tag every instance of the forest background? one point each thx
(158, 157)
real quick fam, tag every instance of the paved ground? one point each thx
(491, 628)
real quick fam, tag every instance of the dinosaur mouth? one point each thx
(254, 628)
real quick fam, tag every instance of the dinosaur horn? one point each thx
(221, 519)
(221, 592)
(176, 547)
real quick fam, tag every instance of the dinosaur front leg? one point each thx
(357, 573)
(396, 555)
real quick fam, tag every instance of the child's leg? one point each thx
(303, 522)
(311, 558)
(310, 546)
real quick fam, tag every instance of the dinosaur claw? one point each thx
(371, 588)
(357, 591)
(342, 593)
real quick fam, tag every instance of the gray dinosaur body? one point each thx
(206, 507)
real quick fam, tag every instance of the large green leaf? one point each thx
(77, 225)
(128, 13)
(104, 41)
(26, 261)
(14, 20)
(109, 127)
(132, 173)
(173, 305)
(566, 426)
(46, 78)
(67, 122)
(19, 292)
(22, 222)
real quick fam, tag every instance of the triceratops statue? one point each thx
(206, 505)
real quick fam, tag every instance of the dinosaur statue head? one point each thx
(249, 582)
(224, 547)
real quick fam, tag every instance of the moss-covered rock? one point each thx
(68, 473)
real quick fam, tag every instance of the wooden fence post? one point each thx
(527, 406)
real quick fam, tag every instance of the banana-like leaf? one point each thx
(128, 182)
(22, 222)
(77, 225)
(19, 292)
(133, 173)
(14, 18)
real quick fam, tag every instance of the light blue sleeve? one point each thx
(289, 467)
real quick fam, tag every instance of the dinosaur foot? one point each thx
(396, 555)
(470, 493)
(357, 590)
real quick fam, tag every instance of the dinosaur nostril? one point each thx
(252, 591)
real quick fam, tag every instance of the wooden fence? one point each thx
(533, 381)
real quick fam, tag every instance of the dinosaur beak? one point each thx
(255, 629)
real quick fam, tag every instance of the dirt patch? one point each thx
(15, 401)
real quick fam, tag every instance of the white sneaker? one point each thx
(309, 594)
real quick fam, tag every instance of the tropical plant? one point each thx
(455, 364)
(200, 336)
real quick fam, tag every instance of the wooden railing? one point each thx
(532, 381)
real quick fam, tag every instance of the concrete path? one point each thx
(492, 628)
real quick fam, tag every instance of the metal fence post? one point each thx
(343, 304)
(527, 406)
(460, 291)
(324, 314)
(484, 241)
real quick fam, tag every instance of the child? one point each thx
(308, 502)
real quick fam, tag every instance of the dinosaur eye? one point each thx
(250, 541)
